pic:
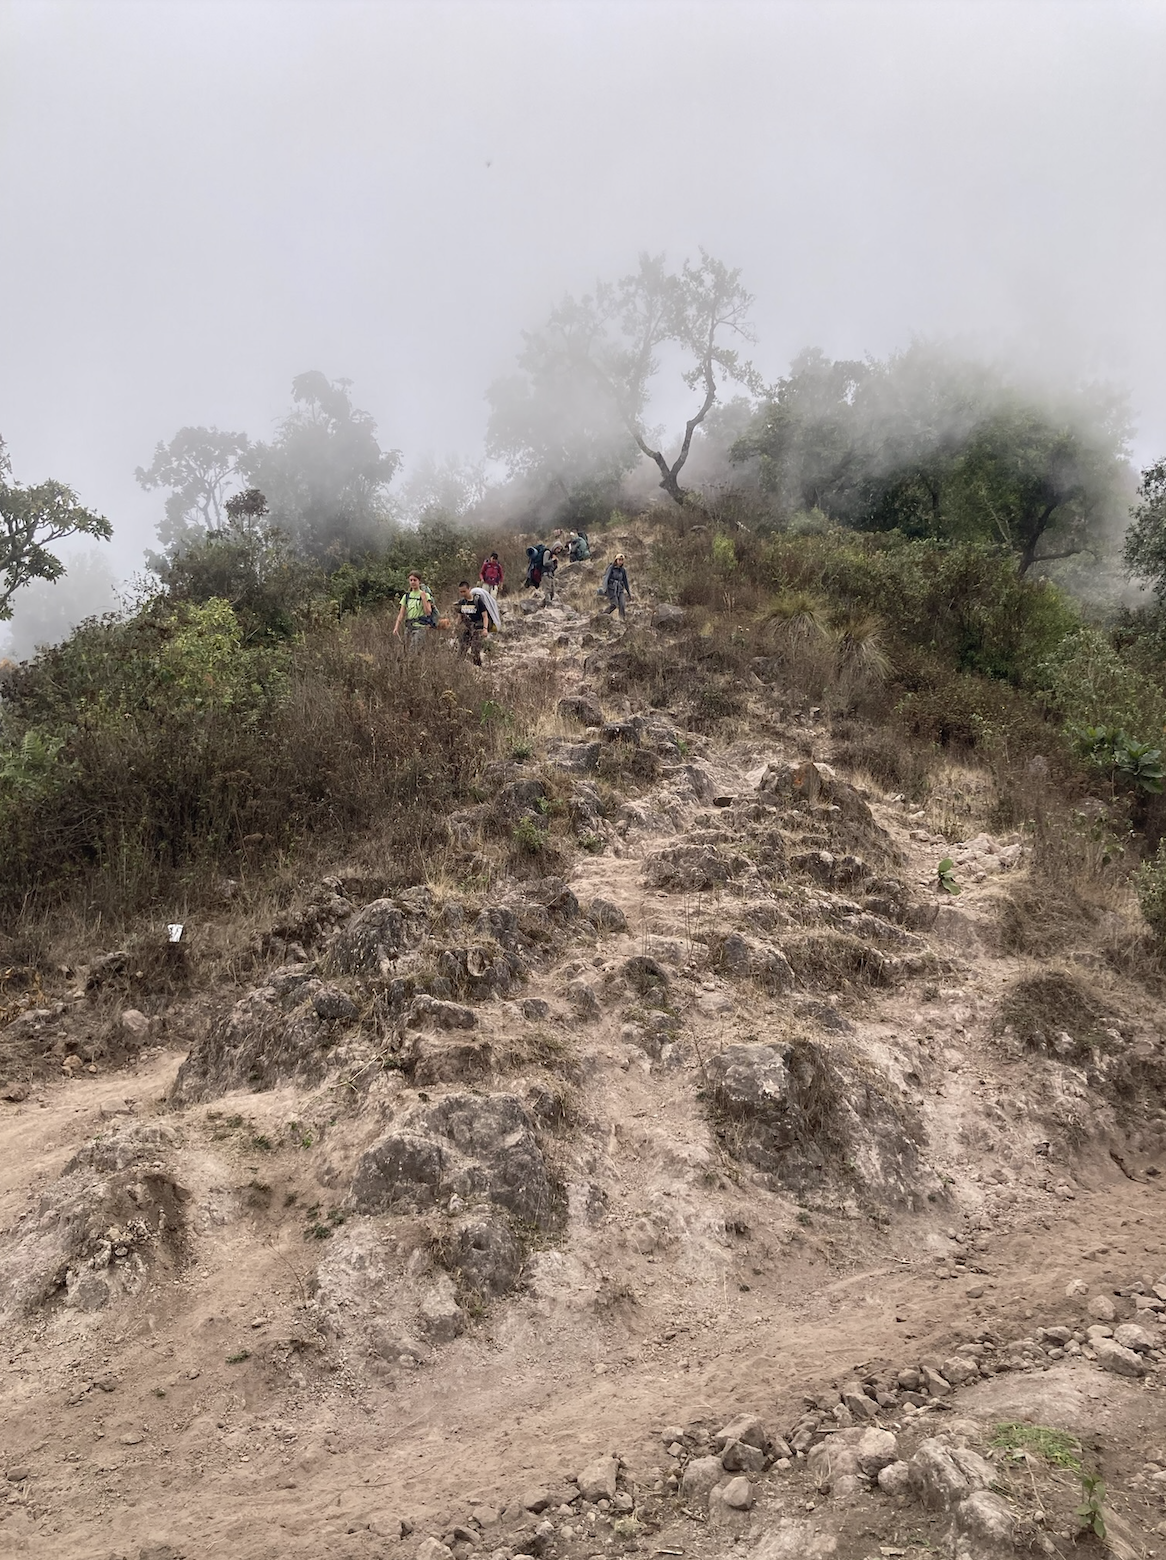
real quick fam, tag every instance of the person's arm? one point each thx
(400, 617)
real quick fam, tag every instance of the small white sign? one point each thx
(175, 932)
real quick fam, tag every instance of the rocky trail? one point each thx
(705, 1180)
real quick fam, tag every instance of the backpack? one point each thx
(427, 619)
(491, 572)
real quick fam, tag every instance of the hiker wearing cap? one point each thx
(615, 587)
(417, 614)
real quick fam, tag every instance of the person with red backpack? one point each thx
(492, 576)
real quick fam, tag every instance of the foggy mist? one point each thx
(204, 200)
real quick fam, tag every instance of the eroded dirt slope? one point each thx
(713, 1107)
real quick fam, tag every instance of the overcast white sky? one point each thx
(201, 198)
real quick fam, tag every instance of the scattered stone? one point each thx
(958, 1370)
(832, 1461)
(738, 1494)
(584, 1002)
(597, 1480)
(582, 710)
(135, 1026)
(942, 1476)
(935, 1383)
(439, 1316)
(876, 1450)
(1121, 1362)
(535, 1501)
(606, 916)
(333, 1004)
(1101, 1306)
(1130, 1336)
(434, 1549)
(700, 1478)
(18, 1473)
(895, 1479)
(645, 975)
(859, 1404)
(667, 617)
(745, 1428)
(740, 1457)
(984, 1525)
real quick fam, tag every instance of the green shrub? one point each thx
(145, 753)
(1088, 681)
(1150, 882)
(272, 591)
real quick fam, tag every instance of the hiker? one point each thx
(578, 547)
(534, 565)
(473, 617)
(615, 586)
(550, 565)
(492, 575)
(417, 613)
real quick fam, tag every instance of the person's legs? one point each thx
(621, 599)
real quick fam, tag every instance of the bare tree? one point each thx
(581, 398)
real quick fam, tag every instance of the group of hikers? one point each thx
(475, 609)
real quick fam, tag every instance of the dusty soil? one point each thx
(236, 1394)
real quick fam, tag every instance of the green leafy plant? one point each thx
(1150, 882)
(32, 770)
(237, 1359)
(1109, 749)
(1091, 1511)
(945, 873)
(528, 837)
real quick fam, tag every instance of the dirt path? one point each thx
(683, 1289)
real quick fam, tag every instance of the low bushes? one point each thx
(146, 754)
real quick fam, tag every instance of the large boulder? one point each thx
(371, 942)
(485, 1255)
(481, 1147)
(942, 1476)
(810, 1114)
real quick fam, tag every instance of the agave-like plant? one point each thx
(859, 647)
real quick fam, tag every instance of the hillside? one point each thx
(674, 1168)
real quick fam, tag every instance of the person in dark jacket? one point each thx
(615, 587)
(471, 611)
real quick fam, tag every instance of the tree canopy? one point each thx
(324, 475)
(576, 411)
(1145, 544)
(935, 446)
(31, 520)
(198, 466)
(321, 480)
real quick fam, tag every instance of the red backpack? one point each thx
(491, 572)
